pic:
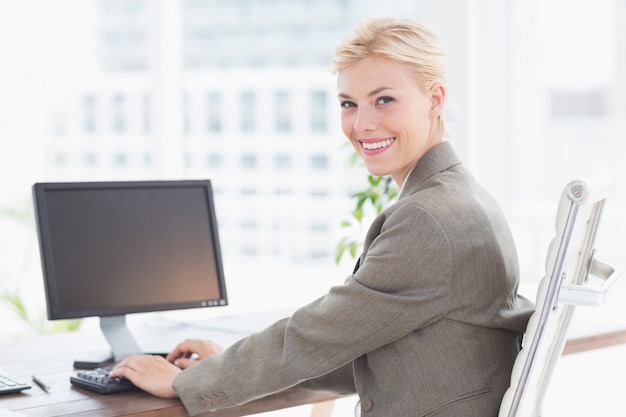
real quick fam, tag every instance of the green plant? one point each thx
(21, 215)
(37, 325)
(12, 297)
(379, 192)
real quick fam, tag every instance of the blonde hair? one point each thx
(416, 46)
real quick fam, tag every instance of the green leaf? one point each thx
(353, 159)
(373, 195)
(38, 325)
(66, 325)
(340, 249)
(380, 191)
(361, 198)
(15, 301)
(357, 213)
(374, 181)
(353, 249)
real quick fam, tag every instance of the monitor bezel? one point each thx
(55, 311)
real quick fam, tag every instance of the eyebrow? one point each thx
(372, 93)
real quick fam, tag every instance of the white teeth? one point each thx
(377, 145)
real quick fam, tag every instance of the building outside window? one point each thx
(146, 113)
(318, 162)
(247, 108)
(319, 111)
(282, 112)
(91, 160)
(89, 113)
(248, 161)
(119, 113)
(282, 161)
(214, 112)
(120, 160)
(214, 160)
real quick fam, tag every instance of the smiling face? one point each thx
(389, 119)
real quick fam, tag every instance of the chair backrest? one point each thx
(573, 276)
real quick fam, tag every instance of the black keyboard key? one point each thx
(98, 380)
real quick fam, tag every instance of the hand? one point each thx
(191, 351)
(152, 374)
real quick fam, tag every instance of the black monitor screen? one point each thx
(112, 248)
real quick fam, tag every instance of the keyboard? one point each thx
(9, 383)
(98, 380)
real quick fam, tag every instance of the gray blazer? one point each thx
(428, 324)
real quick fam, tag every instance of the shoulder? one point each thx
(449, 192)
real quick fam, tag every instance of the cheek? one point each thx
(418, 120)
(347, 124)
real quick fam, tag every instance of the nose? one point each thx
(365, 120)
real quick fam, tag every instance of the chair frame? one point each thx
(566, 295)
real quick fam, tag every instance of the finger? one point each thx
(183, 350)
(184, 363)
(124, 363)
(121, 371)
(174, 354)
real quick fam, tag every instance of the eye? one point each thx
(347, 104)
(384, 100)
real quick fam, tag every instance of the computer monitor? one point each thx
(109, 249)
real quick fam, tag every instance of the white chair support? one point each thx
(571, 269)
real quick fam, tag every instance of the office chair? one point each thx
(573, 276)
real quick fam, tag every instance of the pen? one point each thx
(41, 385)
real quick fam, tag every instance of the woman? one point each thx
(429, 322)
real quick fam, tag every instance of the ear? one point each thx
(437, 99)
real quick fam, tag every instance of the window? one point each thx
(282, 112)
(318, 111)
(61, 160)
(214, 160)
(577, 104)
(249, 225)
(91, 160)
(318, 227)
(147, 110)
(282, 161)
(120, 160)
(126, 34)
(282, 192)
(248, 161)
(248, 250)
(185, 113)
(322, 194)
(119, 113)
(247, 108)
(89, 113)
(319, 162)
(214, 112)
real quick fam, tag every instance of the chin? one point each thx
(377, 171)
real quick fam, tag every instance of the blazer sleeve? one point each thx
(400, 286)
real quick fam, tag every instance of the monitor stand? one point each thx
(120, 340)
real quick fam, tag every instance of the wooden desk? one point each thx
(51, 357)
